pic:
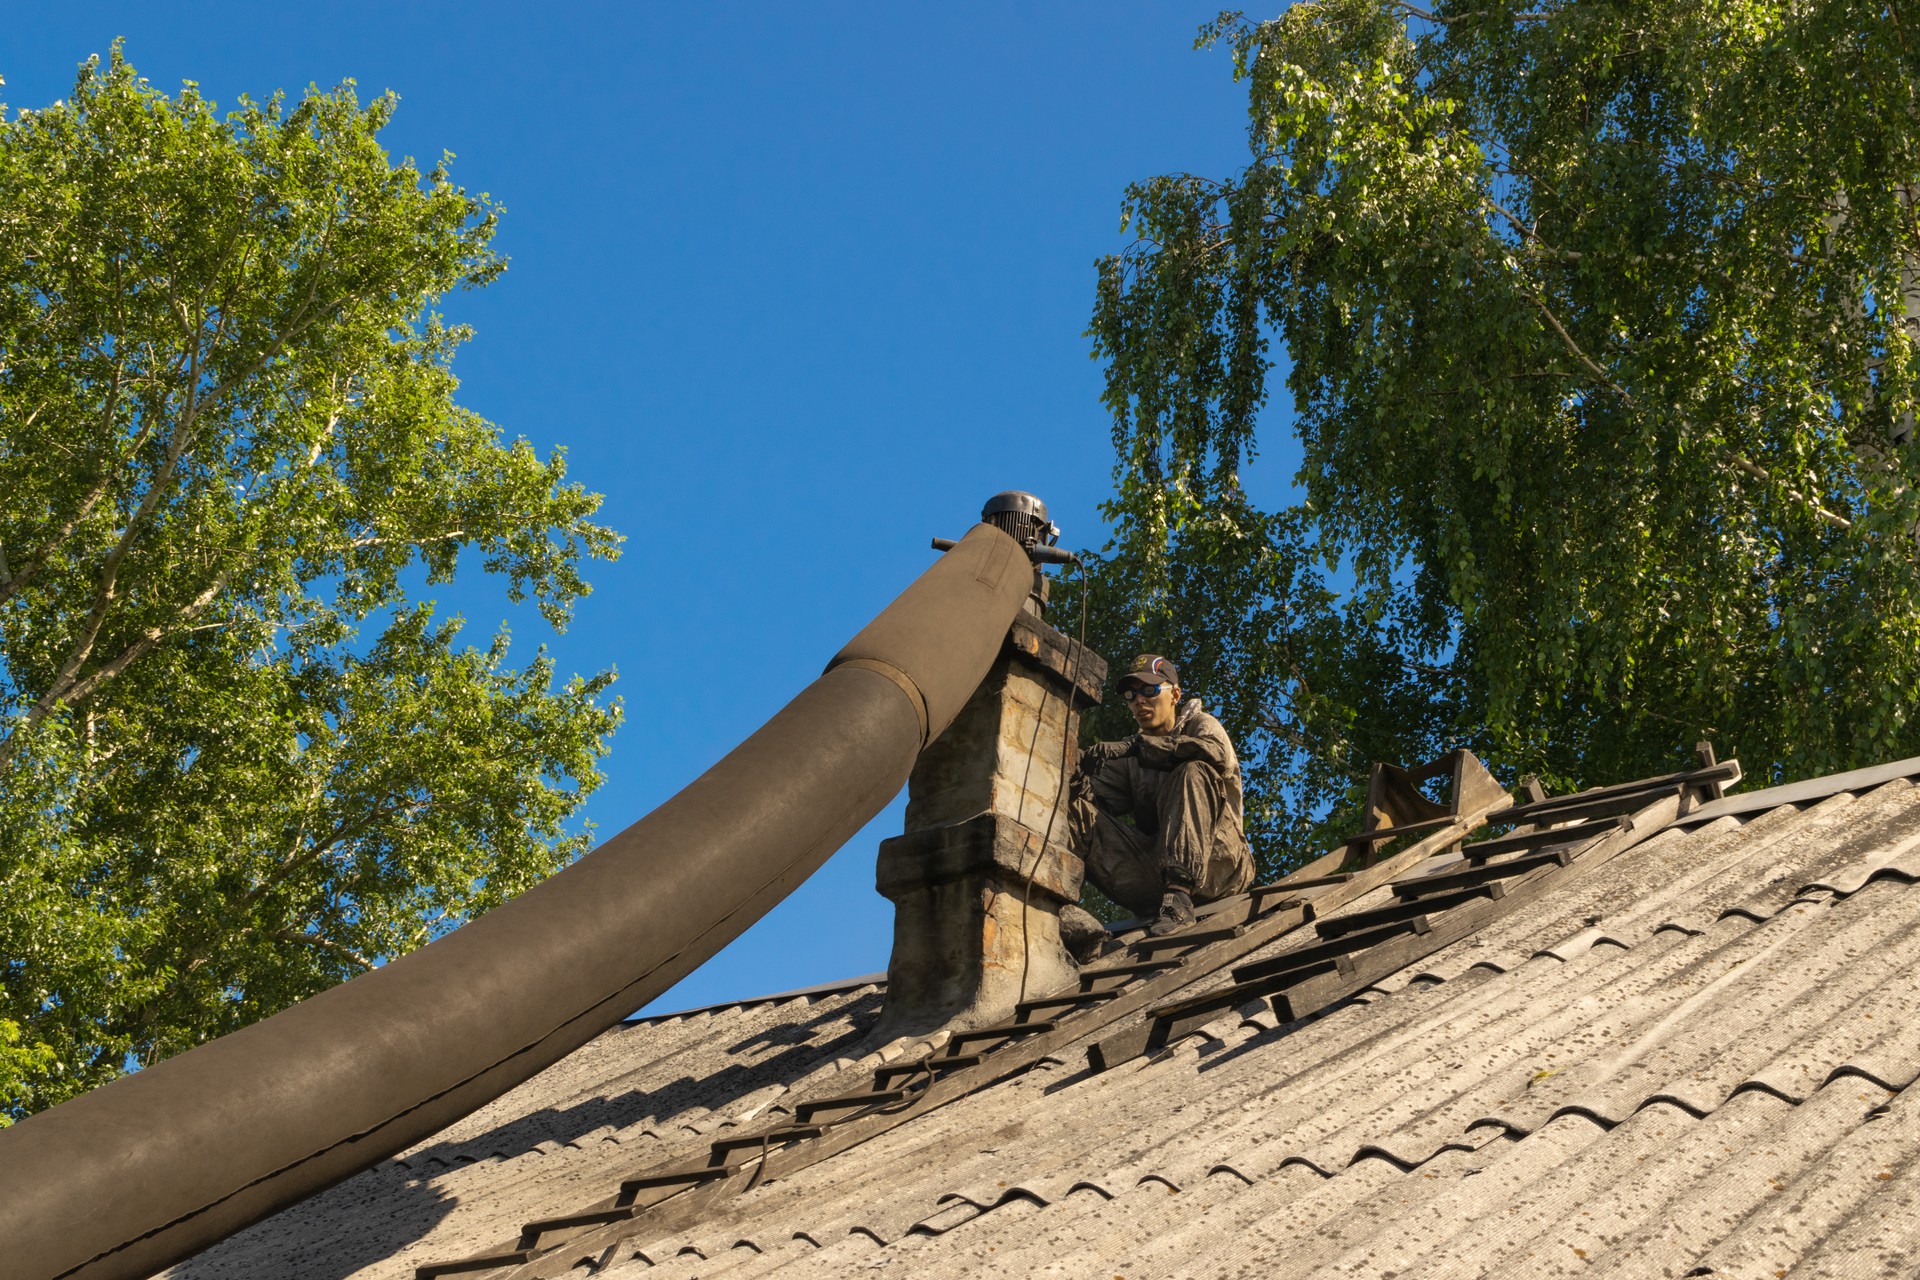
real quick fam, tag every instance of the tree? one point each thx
(239, 763)
(1599, 323)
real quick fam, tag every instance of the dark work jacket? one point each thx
(1131, 785)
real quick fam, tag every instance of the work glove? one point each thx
(1127, 746)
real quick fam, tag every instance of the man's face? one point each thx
(1152, 711)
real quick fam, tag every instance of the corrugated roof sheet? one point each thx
(645, 1088)
(1692, 1061)
(778, 997)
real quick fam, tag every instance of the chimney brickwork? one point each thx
(978, 878)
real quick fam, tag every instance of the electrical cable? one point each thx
(1066, 746)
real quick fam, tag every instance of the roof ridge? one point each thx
(1806, 790)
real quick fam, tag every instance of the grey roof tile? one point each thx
(1709, 1192)
(1492, 1182)
(546, 1146)
(1826, 1175)
(1693, 1056)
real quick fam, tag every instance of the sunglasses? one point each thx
(1138, 692)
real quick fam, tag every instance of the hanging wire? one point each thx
(1066, 746)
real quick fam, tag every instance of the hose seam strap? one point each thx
(900, 678)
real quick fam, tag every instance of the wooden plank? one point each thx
(1726, 773)
(480, 1262)
(924, 1066)
(1521, 841)
(1291, 885)
(1318, 993)
(1128, 1043)
(999, 1031)
(1380, 835)
(1605, 807)
(1123, 1045)
(1065, 1003)
(1176, 1018)
(531, 1233)
(1333, 950)
(670, 1178)
(1388, 958)
(1196, 938)
(784, 1133)
(1432, 886)
(806, 1111)
(1102, 979)
(1340, 926)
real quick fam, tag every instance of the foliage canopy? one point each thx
(1599, 324)
(239, 764)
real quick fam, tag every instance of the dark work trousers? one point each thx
(1171, 846)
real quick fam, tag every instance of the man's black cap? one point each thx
(1151, 668)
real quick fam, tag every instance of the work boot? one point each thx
(1176, 912)
(1082, 933)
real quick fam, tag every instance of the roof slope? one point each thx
(1689, 1061)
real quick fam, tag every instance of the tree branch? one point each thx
(333, 420)
(70, 690)
(316, 940)
(104, 594)
(84, 689)
(1760, 473)
(12, 584)
(428, 540)
(297, 858)
(1415, 11)
(1754, 469)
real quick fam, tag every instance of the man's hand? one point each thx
(1116, 750)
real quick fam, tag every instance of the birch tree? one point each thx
(1595, 322)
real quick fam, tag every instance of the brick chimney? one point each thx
(978, 877)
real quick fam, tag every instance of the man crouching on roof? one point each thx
(1179, 779)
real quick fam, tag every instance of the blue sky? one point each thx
(796, 287)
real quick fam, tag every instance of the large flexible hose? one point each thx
(154, 1167)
